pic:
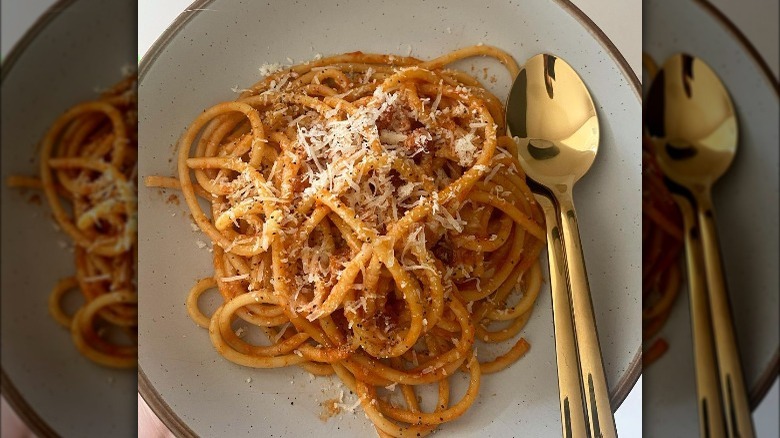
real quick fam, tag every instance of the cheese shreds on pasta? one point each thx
(365, 216)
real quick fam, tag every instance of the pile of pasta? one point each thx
(369, 214)
(88, 173)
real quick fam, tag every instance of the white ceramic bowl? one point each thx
(216, 45)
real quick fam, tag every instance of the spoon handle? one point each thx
(569, 384)
(732, 383)
(711, 420)
(601, 420)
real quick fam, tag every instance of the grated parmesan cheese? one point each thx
(235, 278)
(465, 149)
(269, 69)
(351, 408)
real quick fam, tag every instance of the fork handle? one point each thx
(601, 421)
(711, 421)
(569, 384)
(739, 421)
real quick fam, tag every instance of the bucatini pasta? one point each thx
(368, 213)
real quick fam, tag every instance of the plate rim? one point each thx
(149, 393)
(12, 395)
(772, 371)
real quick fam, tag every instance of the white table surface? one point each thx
(621, 21)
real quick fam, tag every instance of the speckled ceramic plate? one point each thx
(72, 50)
(746, 208)
(216, 45)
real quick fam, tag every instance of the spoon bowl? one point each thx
(552, 117)
(691, 122)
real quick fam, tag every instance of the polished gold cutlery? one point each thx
(693, 128)
(552, 117)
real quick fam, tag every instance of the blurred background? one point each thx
(739, 41)
(67, 52)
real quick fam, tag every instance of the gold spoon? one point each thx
(693, 129)
(551, 113)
